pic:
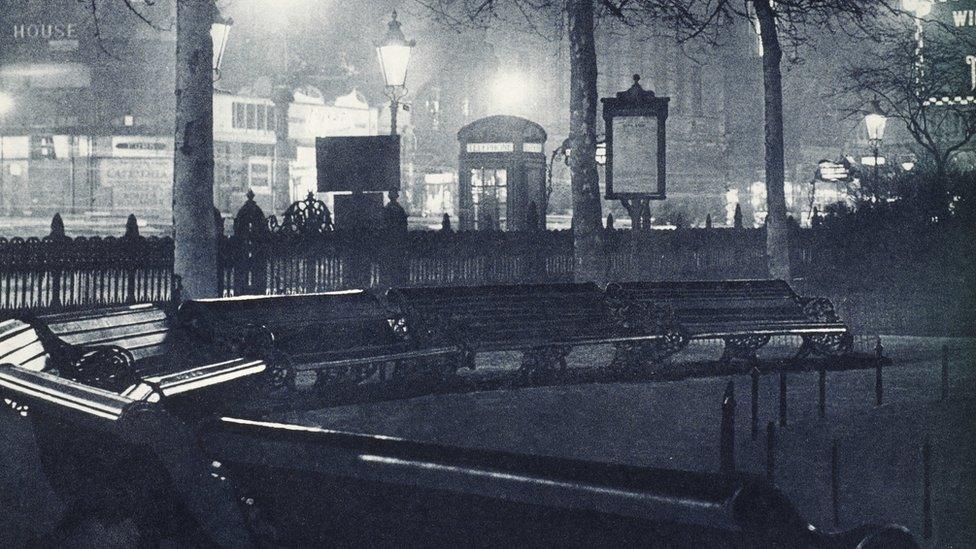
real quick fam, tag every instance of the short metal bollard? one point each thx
(834, 483)
(755, 403)
(770, 451)
(944, 395)
(878, 385)
(727, 437)
(822, 390)
(782, 399)
(926, 488)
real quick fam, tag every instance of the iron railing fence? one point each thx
(307, 255)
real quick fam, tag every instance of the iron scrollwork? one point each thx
(543, 362)
(821, 309)
(631, 317)
(306, 217)
(107, 367)
(743, 347)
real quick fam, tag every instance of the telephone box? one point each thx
(502, 175)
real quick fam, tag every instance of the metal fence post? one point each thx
(926, 488)
(944, 395)
(727, 441)
(834, 482)
(822, 386)
(755, 403)
(782, 398)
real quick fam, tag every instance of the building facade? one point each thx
(87, 118)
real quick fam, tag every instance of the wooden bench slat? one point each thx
(113, 335)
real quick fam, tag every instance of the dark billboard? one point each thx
(360, 163)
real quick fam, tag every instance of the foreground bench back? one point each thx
(382, 484)
(21, 346)
(142, 330)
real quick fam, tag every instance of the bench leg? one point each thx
(828, 344)
(743, 348)
(345, 375)
(674, 340)
(626, 356)
(543, 361)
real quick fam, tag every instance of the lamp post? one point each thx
(219, 33)
(6, 104)
(875, 121)
(394, 54)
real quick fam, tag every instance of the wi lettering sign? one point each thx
(949, 75)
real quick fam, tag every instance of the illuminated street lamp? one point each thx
(920, 8)
(875, 121)
(219, 33)
(394, 54)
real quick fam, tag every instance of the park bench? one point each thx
(119, 349)
(742, 313)
(343, 337)
(543, 321)
(99, 388)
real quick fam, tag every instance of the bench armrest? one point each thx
(155, 387)
(104, 366)
(63, 395)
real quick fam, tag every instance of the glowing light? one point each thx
(908, 166)
(219, 33)
(509, 90)
(6, 103)
(875, 121)
(394, 54)
(921, 8)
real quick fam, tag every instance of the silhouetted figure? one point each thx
(394, 216)
(57, 227)
(737, 217)
(131, 227)
(446, 223)
(609, 221)
(708, 221)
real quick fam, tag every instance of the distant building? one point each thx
(90, 131)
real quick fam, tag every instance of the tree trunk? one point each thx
(590, 263)
(777, 230)
(194, 235)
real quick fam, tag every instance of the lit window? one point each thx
(489, 195)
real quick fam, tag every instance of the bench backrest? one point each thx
(21, 346)
(301, 324)
(143, 330)
(708, 302)
(501, 316)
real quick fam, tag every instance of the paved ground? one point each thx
(675, 424)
